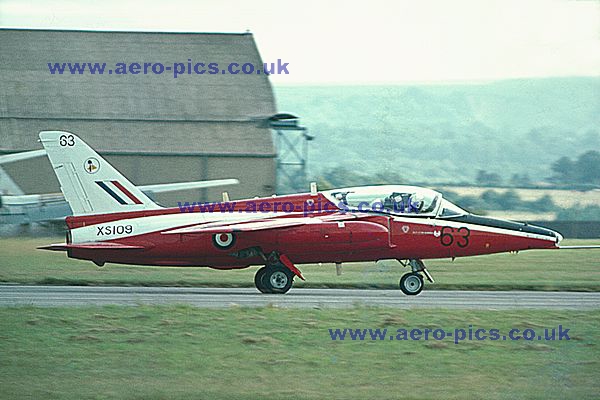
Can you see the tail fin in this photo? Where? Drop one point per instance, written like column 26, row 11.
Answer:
column 90, row 184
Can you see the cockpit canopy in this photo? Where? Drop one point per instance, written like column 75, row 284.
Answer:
column 410, row 201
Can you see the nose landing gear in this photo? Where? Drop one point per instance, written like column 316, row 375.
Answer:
column 411, row 283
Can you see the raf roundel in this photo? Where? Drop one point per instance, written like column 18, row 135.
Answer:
column 91, row 165
column 223, row 240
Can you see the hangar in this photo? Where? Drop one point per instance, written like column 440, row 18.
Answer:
column 153, row 127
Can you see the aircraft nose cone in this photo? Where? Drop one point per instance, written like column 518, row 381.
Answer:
column 510, row 225
column 545, row 232
column 558, row 237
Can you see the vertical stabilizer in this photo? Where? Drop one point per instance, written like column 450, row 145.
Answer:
column 89, row 183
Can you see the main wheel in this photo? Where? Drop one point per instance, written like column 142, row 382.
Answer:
column 259, row 278
column 411, row 284
column 278, row 280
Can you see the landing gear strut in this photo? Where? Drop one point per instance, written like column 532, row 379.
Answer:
column 412, row 283
column 277, row 276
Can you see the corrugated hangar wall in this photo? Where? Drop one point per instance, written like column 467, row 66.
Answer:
column 153, row 128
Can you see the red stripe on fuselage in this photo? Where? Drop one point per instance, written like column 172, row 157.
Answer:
column 126, row 192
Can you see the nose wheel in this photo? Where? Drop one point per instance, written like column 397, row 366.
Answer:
column 412, row 283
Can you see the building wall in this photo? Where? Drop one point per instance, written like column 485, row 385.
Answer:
column 31, row 91
column 154, row 129
column 251, row 137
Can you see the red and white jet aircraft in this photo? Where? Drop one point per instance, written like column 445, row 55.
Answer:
column 113, row 221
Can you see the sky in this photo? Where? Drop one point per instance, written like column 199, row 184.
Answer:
column 363, row 42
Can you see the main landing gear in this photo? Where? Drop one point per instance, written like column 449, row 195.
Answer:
column 412, row 283
column 277, row 276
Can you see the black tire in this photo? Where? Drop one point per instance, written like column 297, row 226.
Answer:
column 278, row 280
column 411, row 284
column 259, row 278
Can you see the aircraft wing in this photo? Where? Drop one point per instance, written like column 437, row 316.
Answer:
column 171, row 187
column 32, row 199
column 253, row 226
column 242, row 227
column 26, row 155
column 44, row 199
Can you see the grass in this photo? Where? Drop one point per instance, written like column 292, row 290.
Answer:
column 178, row 352
column 577, row 270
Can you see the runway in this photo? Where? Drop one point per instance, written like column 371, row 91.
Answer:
column 78, row 296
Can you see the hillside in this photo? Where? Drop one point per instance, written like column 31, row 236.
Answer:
column 445, row 133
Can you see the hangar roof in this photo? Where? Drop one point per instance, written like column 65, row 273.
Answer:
column 31, row 96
